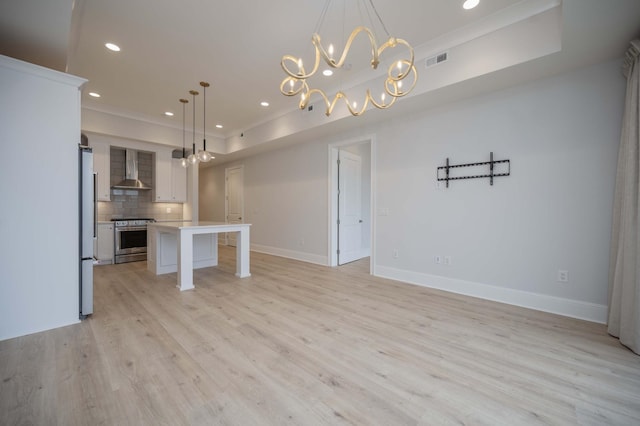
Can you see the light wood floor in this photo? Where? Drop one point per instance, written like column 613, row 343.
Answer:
column 303, row 344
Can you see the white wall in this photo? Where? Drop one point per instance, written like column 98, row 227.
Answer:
column 506, row 241
column 285, row 196
column 286, row 201
column 39, row 257
column 211, row 194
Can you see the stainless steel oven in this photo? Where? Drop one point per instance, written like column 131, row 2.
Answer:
column 130, row 240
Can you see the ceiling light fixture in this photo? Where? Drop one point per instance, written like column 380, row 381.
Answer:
column 168, row 114
column 112, row 47
column 264, row 103
column 183, row 161
column 94, row 94
column 193, row 157
column 219, row 126
column 204, row 155
column 470, row 4
column 296, row 81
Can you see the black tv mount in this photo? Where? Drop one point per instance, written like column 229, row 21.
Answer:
column 491, row 163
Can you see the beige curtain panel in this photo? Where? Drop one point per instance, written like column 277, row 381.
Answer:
column 624, row 273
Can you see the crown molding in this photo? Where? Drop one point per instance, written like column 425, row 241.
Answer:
column 40, row 71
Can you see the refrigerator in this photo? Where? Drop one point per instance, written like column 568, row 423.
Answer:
column 88, row 228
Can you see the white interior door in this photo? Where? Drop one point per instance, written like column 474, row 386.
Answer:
column 234, row 199
column 349, row 207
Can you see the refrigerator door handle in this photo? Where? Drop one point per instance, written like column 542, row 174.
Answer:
column 95, row 206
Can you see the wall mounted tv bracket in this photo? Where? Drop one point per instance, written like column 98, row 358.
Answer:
column 444, row 173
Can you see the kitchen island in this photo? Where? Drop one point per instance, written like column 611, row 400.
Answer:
column 184, row 246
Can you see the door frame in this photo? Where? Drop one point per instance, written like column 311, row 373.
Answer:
column 333, row 197
column 226, row 196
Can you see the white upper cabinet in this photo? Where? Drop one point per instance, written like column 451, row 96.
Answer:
column 179, row 181
column 162, row 187
column 102, row 168
column 170, row 179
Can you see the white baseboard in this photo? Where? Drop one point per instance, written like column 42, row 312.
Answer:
column 541, row 302
column 291, row 254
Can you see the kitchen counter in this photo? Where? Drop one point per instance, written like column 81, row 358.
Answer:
column 181, row 247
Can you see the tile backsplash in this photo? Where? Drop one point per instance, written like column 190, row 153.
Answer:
column 131, row 202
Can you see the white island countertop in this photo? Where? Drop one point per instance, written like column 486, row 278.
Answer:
column 181, row 224
column 171, row 248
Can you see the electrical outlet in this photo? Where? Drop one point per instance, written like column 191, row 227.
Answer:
column 168, row 209
column 447, row 260
column 396, row 254
column 563, row 276
column 437, row 259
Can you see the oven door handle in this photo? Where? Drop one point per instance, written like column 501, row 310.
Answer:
column 131, row 228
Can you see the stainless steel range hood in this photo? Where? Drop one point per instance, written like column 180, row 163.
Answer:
column 131, row 180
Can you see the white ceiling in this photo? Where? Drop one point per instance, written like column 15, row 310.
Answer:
column 169, row 46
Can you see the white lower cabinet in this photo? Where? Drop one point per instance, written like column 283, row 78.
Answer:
column 104, row 244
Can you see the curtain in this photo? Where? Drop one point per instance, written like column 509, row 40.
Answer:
column 624, row 269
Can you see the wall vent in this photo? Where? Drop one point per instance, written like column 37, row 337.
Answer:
column 177, row 153
column 437, row 59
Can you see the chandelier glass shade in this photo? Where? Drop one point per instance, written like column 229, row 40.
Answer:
column 400, row 79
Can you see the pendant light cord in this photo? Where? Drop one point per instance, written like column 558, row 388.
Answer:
column 184, row 114
column 184, row 108
column 194, row 93
column 204, row 115
column 379, row 18
column 322, row 16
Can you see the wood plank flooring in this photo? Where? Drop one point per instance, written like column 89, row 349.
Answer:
column 302, row 344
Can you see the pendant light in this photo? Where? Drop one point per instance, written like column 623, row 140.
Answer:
column 183, row 161
column 193, row 157
column 204, row 155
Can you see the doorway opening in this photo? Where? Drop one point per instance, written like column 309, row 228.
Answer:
column 351, row 201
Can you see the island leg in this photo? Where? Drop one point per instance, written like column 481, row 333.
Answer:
column 185, row 260
column 242, row 254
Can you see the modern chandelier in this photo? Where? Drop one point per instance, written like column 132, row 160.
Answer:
column 401, row 76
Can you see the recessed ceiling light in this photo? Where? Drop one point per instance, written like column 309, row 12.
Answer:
column 327, row 73
column 219, row 126
column 168, row 114
column 264, row 103
column 94, row 94
column 470, row 4
column 113, row 47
